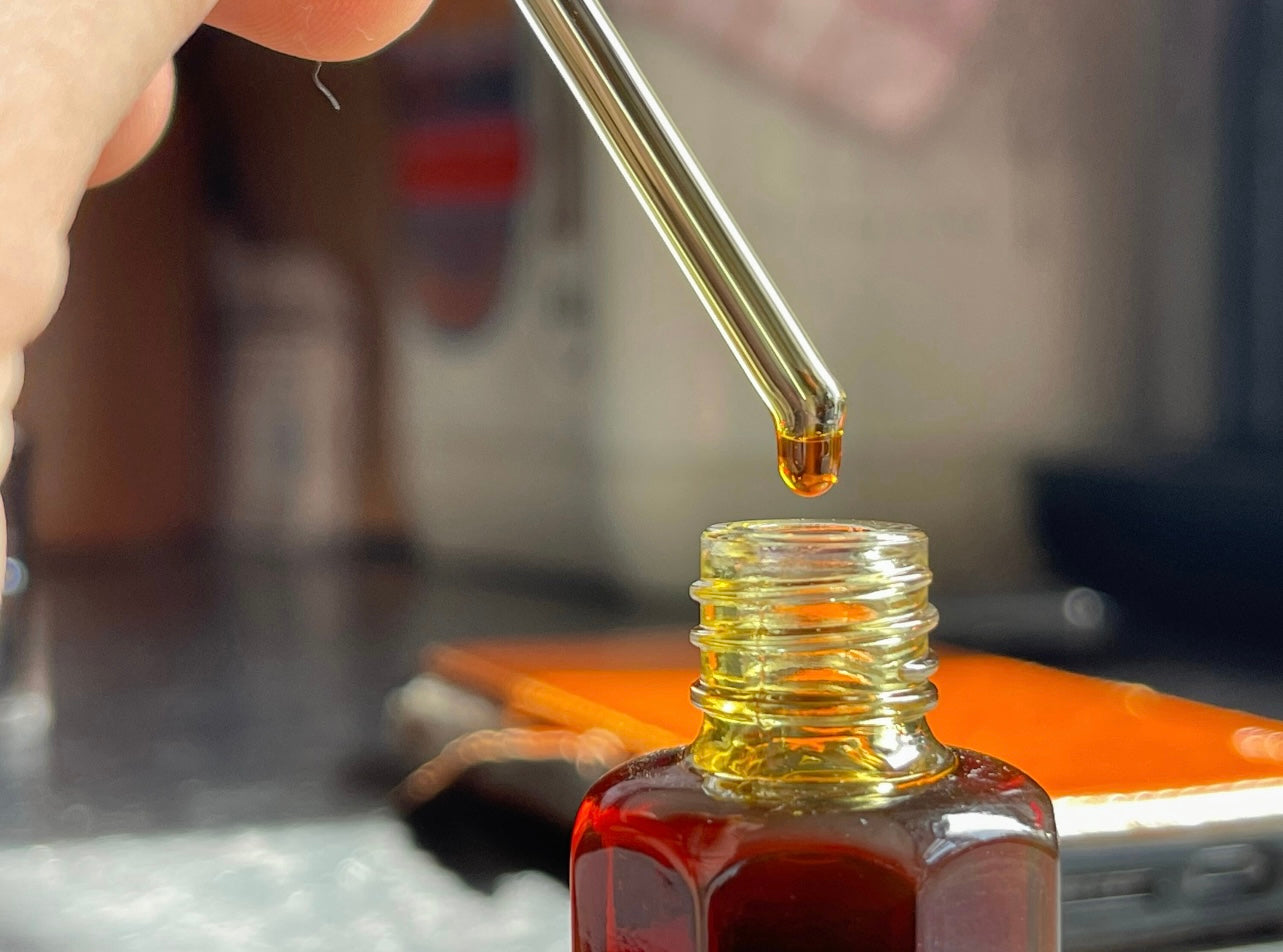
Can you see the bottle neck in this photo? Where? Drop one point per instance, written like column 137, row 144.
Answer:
column 815, row 661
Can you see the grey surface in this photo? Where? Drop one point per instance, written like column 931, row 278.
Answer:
column 215, row 775
column 194, row 693
column 223, row 718
column 327, row 886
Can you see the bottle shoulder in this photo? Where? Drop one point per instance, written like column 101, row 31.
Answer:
column 663, row 770
column 983, row 799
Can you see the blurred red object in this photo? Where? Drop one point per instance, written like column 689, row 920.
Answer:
column 470, row 159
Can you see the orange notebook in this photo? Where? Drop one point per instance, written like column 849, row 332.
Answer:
column 1170, row 812
column 1118, row 758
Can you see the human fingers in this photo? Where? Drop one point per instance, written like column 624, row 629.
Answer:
column 139, row 131
column 70, row 71
column 319, row 29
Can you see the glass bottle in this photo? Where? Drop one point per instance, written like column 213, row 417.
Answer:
column 815, row 811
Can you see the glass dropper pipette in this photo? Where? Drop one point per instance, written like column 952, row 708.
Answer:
column 804, row 398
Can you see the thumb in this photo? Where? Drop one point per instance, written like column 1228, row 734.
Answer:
column 69, row 72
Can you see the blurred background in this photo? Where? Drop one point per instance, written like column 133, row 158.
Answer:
column 327, row 386
column 436, row 316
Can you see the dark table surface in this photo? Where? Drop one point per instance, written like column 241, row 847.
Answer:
column 195, row 693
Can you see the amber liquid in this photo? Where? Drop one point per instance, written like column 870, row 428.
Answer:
column 967, row 864
column 809, row 465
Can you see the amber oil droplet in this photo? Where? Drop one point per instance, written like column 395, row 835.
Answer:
column 809, row 465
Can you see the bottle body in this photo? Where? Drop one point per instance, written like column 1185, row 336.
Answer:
column 965, row 864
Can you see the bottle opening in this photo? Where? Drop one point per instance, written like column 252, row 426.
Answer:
column 857, row 557
column 809, row 532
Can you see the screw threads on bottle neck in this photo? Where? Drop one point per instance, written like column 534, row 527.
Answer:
column 815, row 658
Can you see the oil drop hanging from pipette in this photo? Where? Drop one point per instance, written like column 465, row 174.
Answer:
column 805, row 400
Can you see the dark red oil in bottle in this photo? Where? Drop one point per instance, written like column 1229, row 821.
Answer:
column 965, row 864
